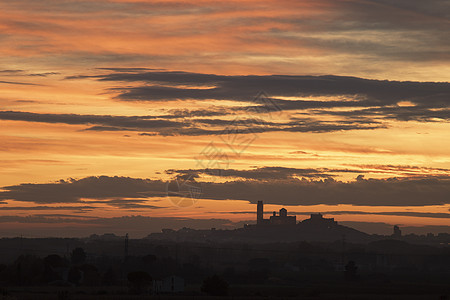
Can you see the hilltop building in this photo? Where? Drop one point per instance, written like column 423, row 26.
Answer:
column 281, row 219
column 278, row 227
column 318, row 220
column 397, row 232
column 260, row 213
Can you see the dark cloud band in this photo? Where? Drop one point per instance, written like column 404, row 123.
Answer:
column 279, row 189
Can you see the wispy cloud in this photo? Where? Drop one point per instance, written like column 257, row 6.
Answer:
column 165, row 125
column 16, row 83
column 359, row 212
column 323, row 36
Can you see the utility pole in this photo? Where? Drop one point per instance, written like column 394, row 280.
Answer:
column 343, row 250
column 126, row 247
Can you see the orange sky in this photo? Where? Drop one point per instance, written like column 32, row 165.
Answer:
column 93, row 88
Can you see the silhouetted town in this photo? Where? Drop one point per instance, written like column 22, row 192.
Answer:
column 281, row 227
column 277, row 257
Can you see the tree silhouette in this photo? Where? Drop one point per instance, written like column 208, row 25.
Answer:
column 149, row 259
column 109, row 278
column 28, row 269
column 351, row 271
column 74, row 275
column 215, row 286
column 91, row 276
column 4, row 273
column 54, row 261
column 49, row 274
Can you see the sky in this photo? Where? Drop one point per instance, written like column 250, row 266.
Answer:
column 132, row 116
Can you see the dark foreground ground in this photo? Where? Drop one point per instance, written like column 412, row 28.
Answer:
column 237, row 292
column 71, row 269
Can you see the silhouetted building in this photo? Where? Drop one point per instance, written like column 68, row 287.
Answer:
column 260, row 213
column 397, row 232
column 126, row 246
column 281, row 219
column 168, row 285
column 319, row 220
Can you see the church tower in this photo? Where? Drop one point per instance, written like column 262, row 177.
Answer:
column 260, row 213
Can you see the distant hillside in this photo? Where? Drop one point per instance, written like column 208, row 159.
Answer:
column 315, row 229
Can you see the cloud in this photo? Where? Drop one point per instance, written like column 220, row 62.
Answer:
column 11, row 72
column 245, row 88
column 388, row 14
column 359, row 99
column 323, row 37
column 45, row 74
column 358, row 212
column 130, row 204
column 124, row 69
column 130, row 191
column 274, row 186
column 165, row 126
column 421, row 113
column 394, row 213
column 16, row 72
column 284, row 173
column 102, row 122
column 16, row 83
column 44, row 207
column 387, row 30
column 263, row 173
column 406, row 170
column 363, row 104
column 371, row 192
column 292, row 186
column 74, row 119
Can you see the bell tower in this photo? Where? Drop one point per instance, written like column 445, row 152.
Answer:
column 260, row 213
